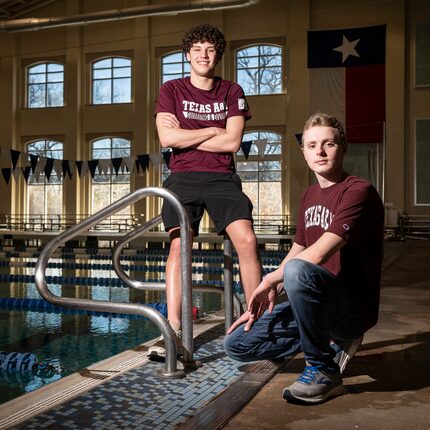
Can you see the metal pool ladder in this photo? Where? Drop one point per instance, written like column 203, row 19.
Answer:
column 170, row 369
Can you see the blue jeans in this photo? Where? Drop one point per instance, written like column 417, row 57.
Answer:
column 320, row 307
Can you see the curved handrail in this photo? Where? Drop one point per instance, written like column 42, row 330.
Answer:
column 171, row 370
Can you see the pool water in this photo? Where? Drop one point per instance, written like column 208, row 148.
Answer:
column 66, row 342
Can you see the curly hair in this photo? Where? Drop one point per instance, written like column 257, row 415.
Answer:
column 204, row 33
column 324, row 120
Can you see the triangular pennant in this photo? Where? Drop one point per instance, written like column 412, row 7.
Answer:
column 155, row 159
column 143, row 161
column 15, row 173
column 129, row 162
column 116, row 163
column 33, row 160
column 92, row 165
column 65, row 165
column 48, row 168
column 26, row 172
column 298, row 137
column 58, row 168
column 6, row 174
column 40, row 167
column 167, row 155
column 84, row 169
column 14, row 156
column 104, row 166
column 79, row 167
column 261, row 146
column 246, row 147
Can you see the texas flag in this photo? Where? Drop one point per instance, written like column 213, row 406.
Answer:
column 348, row 79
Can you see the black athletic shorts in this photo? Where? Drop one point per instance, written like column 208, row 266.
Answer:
column 219, row 193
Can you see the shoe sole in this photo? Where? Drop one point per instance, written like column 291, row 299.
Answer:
column 287, row 395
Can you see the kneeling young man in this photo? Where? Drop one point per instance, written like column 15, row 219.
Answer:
column 331, row 274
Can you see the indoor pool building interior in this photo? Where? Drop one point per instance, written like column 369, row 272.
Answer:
column 83, row 248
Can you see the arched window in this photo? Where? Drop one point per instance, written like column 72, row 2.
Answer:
column 111, row 81
column 45, row 85
column 174, row 66
column 45, row 195
column 108, row 187
column 261, row 173
column 259, row 69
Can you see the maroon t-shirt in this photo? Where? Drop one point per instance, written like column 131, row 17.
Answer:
column 196, row 109
column 353, row 210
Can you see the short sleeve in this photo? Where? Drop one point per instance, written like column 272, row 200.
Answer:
column 237, row 103
column 166, row 99
column 353, row 214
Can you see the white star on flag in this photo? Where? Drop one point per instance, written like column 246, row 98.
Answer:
column 347, row 48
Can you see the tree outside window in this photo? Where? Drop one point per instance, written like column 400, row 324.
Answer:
column 108, row 188
column 111, row 79
column 43, row 196
column 45, row 85
column 261, row 173
column 259, row 69
column 174, row 66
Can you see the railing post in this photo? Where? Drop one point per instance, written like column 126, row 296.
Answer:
column 228, row 282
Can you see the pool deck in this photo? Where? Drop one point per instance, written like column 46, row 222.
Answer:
column 387, row 385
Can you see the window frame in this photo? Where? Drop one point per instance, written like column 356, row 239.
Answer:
column 416, row 157
column 280, row 42
column 37, row 62
column 93, row 58
column 45, row 183
column 91, row 141
column 185, row 61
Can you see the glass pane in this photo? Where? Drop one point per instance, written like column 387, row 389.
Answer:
column 271, row 81
column 101, row 143
column 100, row 196
column 39, row 68
column 251, row 190
column 118, row 142
column 53, row 67
column 101, row 179
column 123, row 178
column 121, row 62
column 172, row 68
column 36, row 96
column 36, row 147
column 361, row 159
column 120, row 152
column 36, row 199
column 101, row 154
column 247, row 62
column 55, row 94
column 102, row 74
column 270, row 50
column 270, row 176
column 247, row 166
column 247, row 52
column 122, row 90
column 106, row 63
column 269, row 165
column 169, row 77
column 248, row 80
column 270, row 198
column 55, row 77
column 176, row 57
column 122, row 72
column 102, row 93
column 54, row 197
column 36, row 78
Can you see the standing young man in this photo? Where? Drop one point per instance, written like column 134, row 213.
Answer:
column 202, row 118
column 331, row 274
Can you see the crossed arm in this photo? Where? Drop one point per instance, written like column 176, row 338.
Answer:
column 210, row 139
column 264, row 297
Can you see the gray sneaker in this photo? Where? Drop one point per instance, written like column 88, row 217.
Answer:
column 314, row 386
column 158, row 350
column 345, row 350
